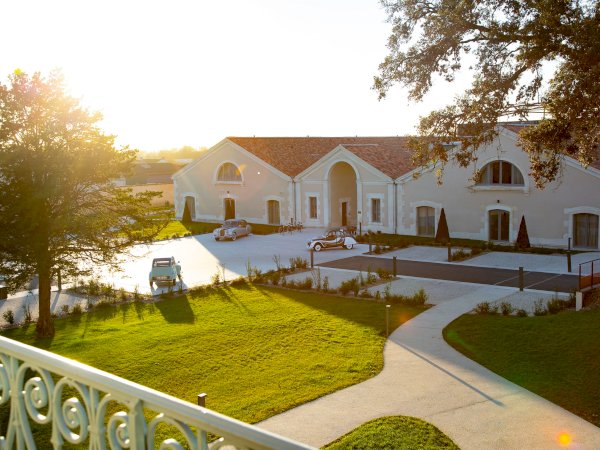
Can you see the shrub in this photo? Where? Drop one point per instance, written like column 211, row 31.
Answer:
column 538, row 308
column 306, row 284
column 326, row 284
column 482, row 308
column 94, row 287
column 365, row 294
column 277, row 261
column 239, row 281
column 521, row 313
column 460, row 255
column 420, row 297
column 349, row 285
column 298, row 263
column 384, row 274
column 122, row 295
column 102, row 304
column 506, row 308
column 215, row 279
column 77, row 310
column 136, row 294
column 275, row 278
column 9, row 316
column 65, row 309
column 556, row 305
column 89, row 305
column 442, row 234
column 377, row 249
column 377, row 295
column 27, row 313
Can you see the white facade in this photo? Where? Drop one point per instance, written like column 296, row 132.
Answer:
column 340, row 188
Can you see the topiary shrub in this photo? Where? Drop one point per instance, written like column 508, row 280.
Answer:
column 522, row 237
column 442, row 235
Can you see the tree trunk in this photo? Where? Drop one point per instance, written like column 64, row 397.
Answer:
column 45, row 326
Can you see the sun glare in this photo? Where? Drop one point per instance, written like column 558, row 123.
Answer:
column 564, row 438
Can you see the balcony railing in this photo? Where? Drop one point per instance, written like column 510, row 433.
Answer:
column 86, row 406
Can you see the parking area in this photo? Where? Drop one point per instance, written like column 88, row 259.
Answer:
column 201, row 257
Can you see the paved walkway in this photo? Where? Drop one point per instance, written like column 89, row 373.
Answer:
column 426, row 378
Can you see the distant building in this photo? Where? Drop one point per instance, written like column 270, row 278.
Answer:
column 370, row 183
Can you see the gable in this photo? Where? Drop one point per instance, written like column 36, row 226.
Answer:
column 293, row 155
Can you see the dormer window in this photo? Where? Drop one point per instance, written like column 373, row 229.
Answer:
column 228, row 173
column 500, row 173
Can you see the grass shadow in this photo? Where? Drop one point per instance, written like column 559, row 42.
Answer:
column 368, row 313
column 175, row 310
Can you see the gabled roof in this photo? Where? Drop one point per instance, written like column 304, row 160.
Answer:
column 516, row 128
column 292, row 155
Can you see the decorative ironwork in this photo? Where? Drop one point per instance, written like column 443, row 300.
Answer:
column 83, row 405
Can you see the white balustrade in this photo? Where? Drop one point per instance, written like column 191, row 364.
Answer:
column 73, row 399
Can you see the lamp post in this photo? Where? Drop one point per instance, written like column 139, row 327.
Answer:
column 387, row 320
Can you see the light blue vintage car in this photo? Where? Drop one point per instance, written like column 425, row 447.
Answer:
column 165, row 270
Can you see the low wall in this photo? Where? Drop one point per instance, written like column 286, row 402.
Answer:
column 166, row 191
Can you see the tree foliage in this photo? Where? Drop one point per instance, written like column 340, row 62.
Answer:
column 59, row 210
column 509, row 44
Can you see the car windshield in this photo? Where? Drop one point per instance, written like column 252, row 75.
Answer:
column 161, row 262
column 230, row 224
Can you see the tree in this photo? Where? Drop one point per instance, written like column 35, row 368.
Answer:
column 442, row 234
column 59, row 210
column 523, row 236
column 508, row 44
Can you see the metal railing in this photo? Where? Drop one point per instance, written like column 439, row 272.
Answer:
column 589, row 275
column 77, row 402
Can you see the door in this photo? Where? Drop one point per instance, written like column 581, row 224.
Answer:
column 229, row 204
column 499, row 225
column 273, row 212
column 585, row 230
column 344, row 214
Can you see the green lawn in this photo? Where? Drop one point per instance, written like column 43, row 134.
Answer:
column 393, row 433
column 256, row 351
column 554, row 356
column 176, row 228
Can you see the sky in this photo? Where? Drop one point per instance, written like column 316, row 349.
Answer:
column 184, row 72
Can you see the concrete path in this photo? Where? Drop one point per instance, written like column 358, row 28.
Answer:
column 424, row 377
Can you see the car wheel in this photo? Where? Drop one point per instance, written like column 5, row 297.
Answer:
column 317, row 247
column 233, row 236
column 348, row 246
column 151, row 285
column 217, row 239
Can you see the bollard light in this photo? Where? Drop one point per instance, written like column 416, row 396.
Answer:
column 387, row 320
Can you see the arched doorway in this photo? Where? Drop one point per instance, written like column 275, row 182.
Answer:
column 189, row 209
column 499, row 221
column 342, row 195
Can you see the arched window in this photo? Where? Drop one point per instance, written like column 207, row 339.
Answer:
column 585, row 230
column 500, row 173
column 425, row 221
column 229, row 172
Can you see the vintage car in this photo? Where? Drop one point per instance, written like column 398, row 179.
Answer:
column 232, row 229
column 165, row 270
column 336, row 237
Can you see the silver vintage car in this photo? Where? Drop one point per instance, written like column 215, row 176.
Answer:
column 232, row 229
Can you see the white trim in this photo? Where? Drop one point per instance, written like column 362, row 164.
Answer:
column 179, row 201
column 370, row 198
column 486, row 221
column 571, row 212
column 221, row 164
column 309, row 220
column 342, row 154
column 437, row 207
column 266, row 200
